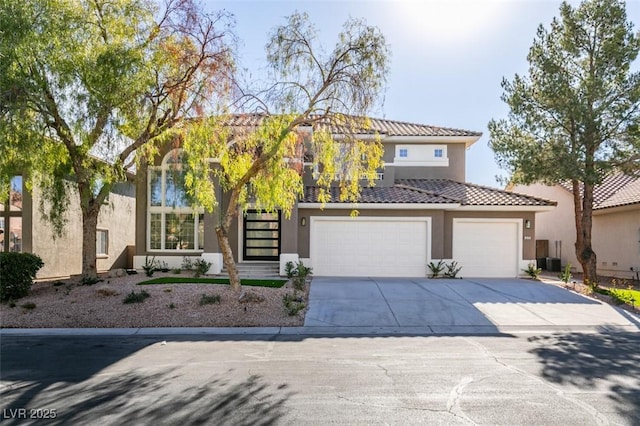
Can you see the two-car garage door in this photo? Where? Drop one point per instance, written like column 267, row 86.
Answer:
column 400, row 246
column 370, row 246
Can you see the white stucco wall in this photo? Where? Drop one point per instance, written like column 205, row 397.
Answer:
column 558, row 225
column 616, row 232
column 616, row 241
column 62, row 255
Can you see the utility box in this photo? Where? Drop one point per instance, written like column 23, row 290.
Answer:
column 542, row 263
column 553, row 264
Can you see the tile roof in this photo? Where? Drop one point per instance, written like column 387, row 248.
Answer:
column 436, row 191
column 377, row 125
column 617, row 189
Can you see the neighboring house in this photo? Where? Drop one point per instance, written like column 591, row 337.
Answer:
column 24, row 229
column 420, row 210
column 616, row 224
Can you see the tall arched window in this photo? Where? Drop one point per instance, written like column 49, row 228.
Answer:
column 172, row 223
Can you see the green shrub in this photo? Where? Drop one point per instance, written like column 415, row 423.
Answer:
column 565, row 276
column 532, row 271
column 209, row 300
column 187, row 264
column 436, row 268
column 298, row 273
column 134, row 297
column 17, row 271
column 200, row 267
column 452, row 270
column 150, row 266
column 292, row 304
column 89, row 280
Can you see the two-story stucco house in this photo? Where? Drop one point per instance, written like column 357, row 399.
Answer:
column 420, row 210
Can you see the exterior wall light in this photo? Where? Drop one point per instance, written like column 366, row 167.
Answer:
column 527, row 224
column 303, row 221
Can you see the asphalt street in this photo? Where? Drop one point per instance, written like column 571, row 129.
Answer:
column 521, row 379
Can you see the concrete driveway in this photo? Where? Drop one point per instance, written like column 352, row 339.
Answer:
column 424, row 305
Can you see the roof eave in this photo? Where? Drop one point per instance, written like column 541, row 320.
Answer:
column 379, row 206
column 495, row 208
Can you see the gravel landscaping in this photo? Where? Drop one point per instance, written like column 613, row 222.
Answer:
column 67, row 304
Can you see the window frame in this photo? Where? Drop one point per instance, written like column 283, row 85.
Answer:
column 105, row 254
column 163, row 210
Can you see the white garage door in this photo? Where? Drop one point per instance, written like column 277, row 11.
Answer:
column 486, row 248
column 365, row 246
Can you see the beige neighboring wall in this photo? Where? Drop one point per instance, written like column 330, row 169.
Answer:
column 616, row 240
column 62, row 256
column 558, row 225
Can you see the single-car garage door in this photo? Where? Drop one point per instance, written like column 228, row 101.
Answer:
column 487, row 248
column 368, row 246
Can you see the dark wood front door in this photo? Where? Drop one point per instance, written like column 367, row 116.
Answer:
column 261, row 235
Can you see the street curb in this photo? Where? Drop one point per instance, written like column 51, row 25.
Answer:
column 320, row 331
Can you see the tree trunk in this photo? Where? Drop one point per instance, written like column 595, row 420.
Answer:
column 227, row 258
column 89, row 228
column 583, row 207
column 222, row 232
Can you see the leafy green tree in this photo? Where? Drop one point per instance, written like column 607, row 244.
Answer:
column 576, row 116
column 88, row 85
column 262, row 165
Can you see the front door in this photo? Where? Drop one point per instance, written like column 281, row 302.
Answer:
column 261, row 235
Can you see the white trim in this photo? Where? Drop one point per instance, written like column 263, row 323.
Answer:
column 437, row 163
column 379, row 206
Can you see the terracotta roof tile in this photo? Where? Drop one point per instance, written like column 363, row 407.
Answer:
column 617, row 189
column 377, row 125
column 436, row 191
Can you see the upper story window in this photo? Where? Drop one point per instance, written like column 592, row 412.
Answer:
column 421, row 155
column 172, row 223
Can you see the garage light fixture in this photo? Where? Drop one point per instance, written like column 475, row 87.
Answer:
column 527, row 224
column 303, row 221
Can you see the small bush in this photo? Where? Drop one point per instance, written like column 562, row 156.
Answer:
column 292, row 304
column 17, row 271
column 171, row 306
column 89, row 280
column 298, row 273
column 134, row 297
column 176, row 271
column 452, row 270
column 565, row 276
column 200, row 267
column 209, row 300
column 150, row 266
column 58, row 283
column 168, row 290
column 436, row 268
column 187, row 264
column 532, row 271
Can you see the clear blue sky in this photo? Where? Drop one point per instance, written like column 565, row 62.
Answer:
column 448, row 56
